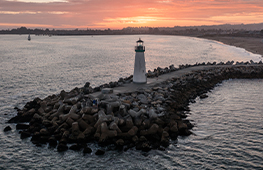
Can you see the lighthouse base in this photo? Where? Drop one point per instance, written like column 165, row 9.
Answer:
column 139, row 82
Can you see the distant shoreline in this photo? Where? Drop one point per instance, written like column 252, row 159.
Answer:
column 251, row 44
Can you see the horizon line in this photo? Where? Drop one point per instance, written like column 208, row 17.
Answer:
column 76, row 28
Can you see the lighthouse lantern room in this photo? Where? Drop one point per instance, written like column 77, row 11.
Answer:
column 139, row 75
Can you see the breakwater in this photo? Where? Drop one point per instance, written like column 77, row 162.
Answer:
column 144, row 118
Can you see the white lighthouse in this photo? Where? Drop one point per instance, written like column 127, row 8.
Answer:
column 139, row 74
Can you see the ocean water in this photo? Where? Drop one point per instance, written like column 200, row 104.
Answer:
column 228, row 124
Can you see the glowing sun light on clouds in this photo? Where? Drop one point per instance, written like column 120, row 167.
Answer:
column 138, row 20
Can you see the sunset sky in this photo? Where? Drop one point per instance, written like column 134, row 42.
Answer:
column 117, row 14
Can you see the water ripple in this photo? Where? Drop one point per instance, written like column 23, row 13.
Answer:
column 228, row 124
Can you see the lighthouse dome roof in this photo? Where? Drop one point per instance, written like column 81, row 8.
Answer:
column 139, row 40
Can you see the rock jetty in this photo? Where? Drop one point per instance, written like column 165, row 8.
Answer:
column 145, row 118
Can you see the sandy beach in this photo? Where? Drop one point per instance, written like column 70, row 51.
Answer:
column 251, row 44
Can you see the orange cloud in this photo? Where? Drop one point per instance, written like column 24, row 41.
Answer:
column 118, row 14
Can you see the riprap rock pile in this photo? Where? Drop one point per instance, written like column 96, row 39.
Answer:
column 145, row 119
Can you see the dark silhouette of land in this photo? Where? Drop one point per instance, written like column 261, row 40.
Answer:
column 255, row 30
